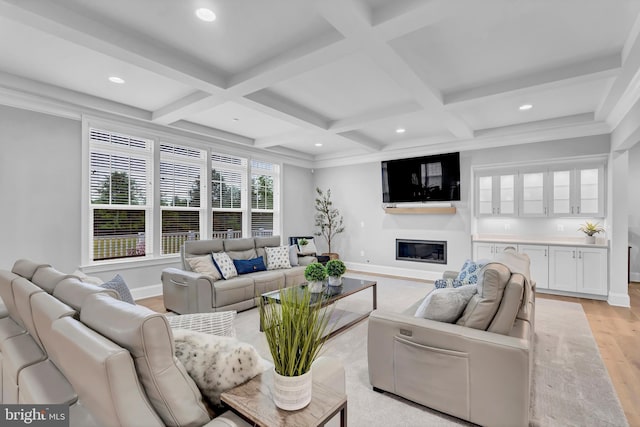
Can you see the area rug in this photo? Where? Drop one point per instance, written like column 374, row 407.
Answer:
column 571, row 386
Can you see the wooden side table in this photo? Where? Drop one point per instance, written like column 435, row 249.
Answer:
column 253, row 402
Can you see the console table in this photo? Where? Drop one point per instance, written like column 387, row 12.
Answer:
column 253, row 402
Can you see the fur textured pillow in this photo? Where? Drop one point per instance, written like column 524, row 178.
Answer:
column 216, row 363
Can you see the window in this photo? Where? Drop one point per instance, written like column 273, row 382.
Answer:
column 228, row 183
column 264, row 190
column 181, row 169
column 147, row 196
column 120, row 168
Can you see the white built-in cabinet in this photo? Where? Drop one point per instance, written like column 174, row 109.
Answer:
column 482, row 250
column 540, row 191
column 567, row 269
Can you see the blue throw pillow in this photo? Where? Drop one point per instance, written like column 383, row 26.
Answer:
column 118, row 284
column 447, row 283
column 244, row 266
column 469, row 272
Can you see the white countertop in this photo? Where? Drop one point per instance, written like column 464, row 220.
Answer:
column 543, row 240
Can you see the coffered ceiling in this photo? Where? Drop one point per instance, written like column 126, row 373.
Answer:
column 322, row 80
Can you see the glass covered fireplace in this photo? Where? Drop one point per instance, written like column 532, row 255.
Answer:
column 432, row 251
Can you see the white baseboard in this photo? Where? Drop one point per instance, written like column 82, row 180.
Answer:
column 635, row 277
column 394, row 271
column 619, row 300
column 146, row 291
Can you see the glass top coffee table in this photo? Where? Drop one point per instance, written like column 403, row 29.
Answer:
column 332, row 294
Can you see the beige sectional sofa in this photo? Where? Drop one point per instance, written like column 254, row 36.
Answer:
column 482, row 376
column 63, row 341
column 186, row 291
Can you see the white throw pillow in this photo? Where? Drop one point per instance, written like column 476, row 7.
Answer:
column 205, row 266
column 293, row 255
column 215, row 363
column 446, row 304
column 309, row 248
column 225, row 265
column 277, row 257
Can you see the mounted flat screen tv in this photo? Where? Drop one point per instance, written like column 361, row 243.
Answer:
column 421, row 179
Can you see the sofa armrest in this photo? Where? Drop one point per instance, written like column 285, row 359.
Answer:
column 187, row 292
column 428, row 361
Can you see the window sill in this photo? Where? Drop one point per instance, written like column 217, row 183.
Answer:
column 125, row 264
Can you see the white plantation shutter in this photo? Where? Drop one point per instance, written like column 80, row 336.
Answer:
column 119, row 168
column 181, row 171
column 264, row 192
column 228, row 181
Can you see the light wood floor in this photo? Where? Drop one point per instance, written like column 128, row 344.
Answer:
column 616, row 331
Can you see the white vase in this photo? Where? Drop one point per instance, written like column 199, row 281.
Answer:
column 335, row 280
column 315, row 287
column 291, row 393
column 590, row 239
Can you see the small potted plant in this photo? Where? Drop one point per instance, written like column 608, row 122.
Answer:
column 315, row 273
column 335, row 270
column 302, row 244
column 590, row 229
column 295, row 333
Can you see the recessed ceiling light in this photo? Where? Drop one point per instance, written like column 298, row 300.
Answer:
column 116, row 79
column 400, row 130
column 318, row 144
column 206, row 15
column 525, row 107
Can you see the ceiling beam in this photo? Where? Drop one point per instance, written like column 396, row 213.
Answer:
column 187, row 106
column 593, row 69
column 628, row 74
column 211, row 132
column 115, row 41
column 362, row 139
column 353, row 19
column 383, row 113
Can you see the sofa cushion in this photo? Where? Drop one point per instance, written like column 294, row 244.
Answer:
column 147, row 336
column 26, row 268
column 205, row 266
column 120, row 286
column 73, row 292
column 483, row 306
column 502, row 322
column 245, row 266
column 239, row 244
column 216, row 363
column 48, row 277
column 446, row 304
column 278, row 258
column 6, row 293
column 243, row 254
column 469, row 272
column 225, row 265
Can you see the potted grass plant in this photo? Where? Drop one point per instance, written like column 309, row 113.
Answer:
column 315, row 273
column 591, row 229
column 335, row 270
column 295, row 332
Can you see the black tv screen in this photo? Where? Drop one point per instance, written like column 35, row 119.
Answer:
column 421, row 179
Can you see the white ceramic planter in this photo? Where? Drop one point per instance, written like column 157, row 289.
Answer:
column 315, row 287
column 590, row 239
column 291, row 393
column 335, row 280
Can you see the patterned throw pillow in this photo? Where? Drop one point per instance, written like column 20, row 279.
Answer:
column 277, row 257
column 447, row 283
column 204, row 265
column 469, row 272
column 224, row 264
column 118, row 284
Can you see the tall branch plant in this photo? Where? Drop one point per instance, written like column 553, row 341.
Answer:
column 328, row 218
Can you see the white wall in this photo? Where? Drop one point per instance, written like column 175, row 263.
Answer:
column 298, row 194
column 634, row 211
column 41, row 184
column 39, row 188
column 357, row 193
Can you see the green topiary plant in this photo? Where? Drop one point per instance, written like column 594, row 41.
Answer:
column 336, row 268
column 315, row 272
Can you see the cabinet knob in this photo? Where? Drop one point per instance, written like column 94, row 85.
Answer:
column 578, row 209
column 574, row 254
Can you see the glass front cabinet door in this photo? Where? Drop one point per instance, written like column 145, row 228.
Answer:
column 533, row 193
column 496, row 194
column 577, row 192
